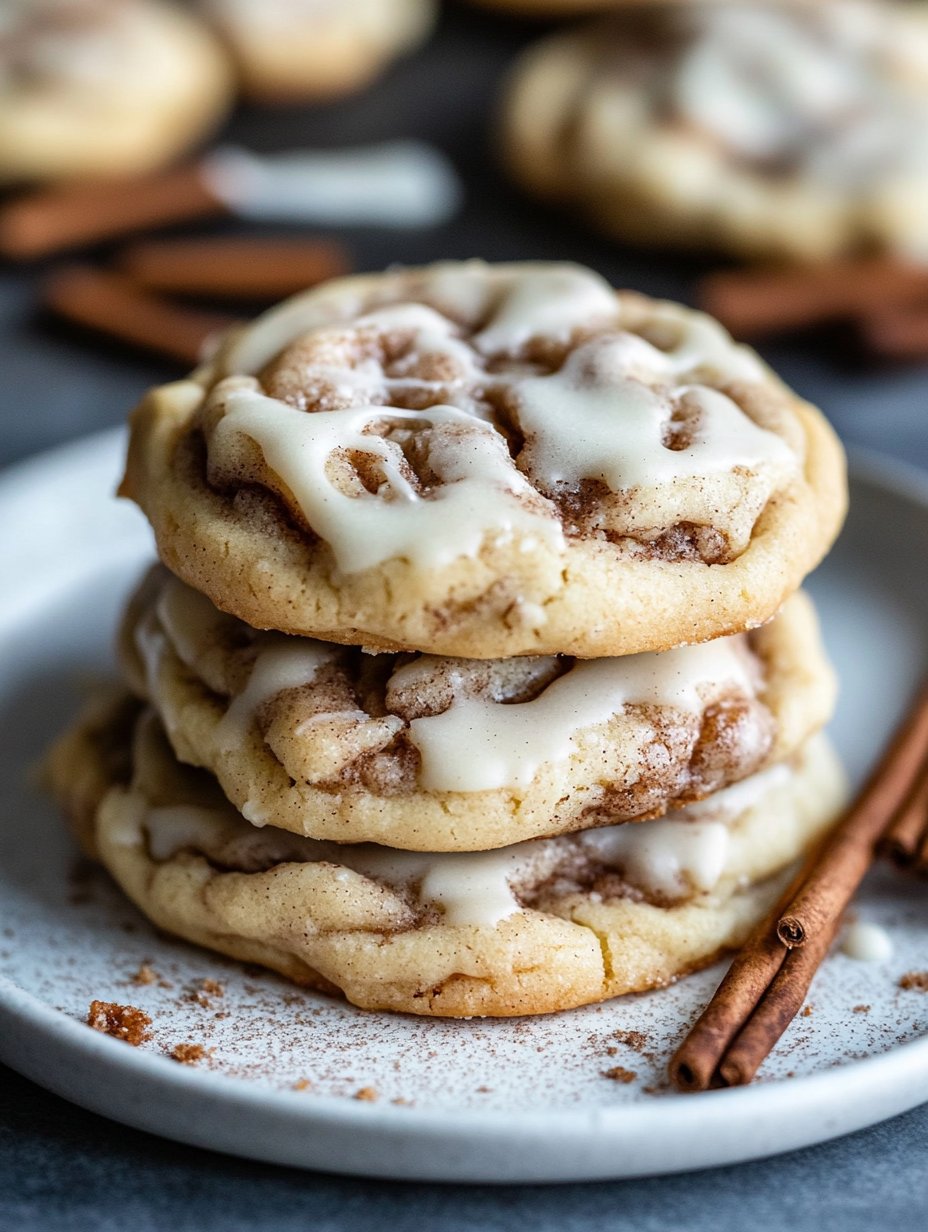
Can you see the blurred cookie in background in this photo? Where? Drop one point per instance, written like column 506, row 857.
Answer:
column 560, row 8
column 104, row 87
column 294, row 50
column 760, row 129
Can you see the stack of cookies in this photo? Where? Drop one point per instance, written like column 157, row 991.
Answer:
column 475, row 678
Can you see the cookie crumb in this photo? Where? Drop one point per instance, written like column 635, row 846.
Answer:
column 146, row 974
column 401, row 1103
column 302, row 1084
column 125, row 1022
column 619, row 1073
column 367, row 1095
column 484, row 1090
column 807, row 1012
column 213, row 988
column 914, row 981
column 861, row 1009
column 188, row 1054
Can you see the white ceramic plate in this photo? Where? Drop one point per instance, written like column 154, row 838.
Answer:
column 523, row 1100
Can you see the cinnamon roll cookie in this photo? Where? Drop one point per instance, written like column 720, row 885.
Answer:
column 486, row 461
column 440, row 754
column 294, row 50
column 764, row 129
column 104, row 87
column 536, row 927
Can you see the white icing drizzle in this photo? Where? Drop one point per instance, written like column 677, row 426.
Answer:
column 665, row 856
column 823, row 89
column 479, row 744
column 477, row 499
column 737, row 798
column 124, row 56
column 782, row 79
column 365, row 383
column 592, row 421
column 547, row 301
column 601, row 416
column 189, row 619
column 866, row 942
column 470, row 887
column 396, row 184
column 150, row 643
column 172, row 827
column 701, row 343
column 279, row 666
column 475, row 292
column 57, row 44
column 279, row 16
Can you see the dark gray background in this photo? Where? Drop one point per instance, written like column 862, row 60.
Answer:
column 63, row 1168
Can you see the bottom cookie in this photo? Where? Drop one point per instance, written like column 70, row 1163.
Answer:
column 540, row 926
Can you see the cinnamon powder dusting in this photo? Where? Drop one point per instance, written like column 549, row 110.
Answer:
column 636, row 1040
column 124, row 1022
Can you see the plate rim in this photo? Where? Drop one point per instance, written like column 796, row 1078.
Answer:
column 29, row 1010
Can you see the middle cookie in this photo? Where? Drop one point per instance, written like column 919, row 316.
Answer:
column 442, row 754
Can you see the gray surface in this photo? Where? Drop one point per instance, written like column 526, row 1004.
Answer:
column 62, row 1168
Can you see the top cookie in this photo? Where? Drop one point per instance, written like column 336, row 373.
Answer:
column 486, row 461
column 786, row 130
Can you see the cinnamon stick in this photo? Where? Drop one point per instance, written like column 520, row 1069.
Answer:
column 752, row 303
column 896, row 331
column 54, row 219
column 754, row 967
column 907, row 835
column 777, row 1007
column 849, row 850
column 770, row 976
column 114, row 306
column 234, row 267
